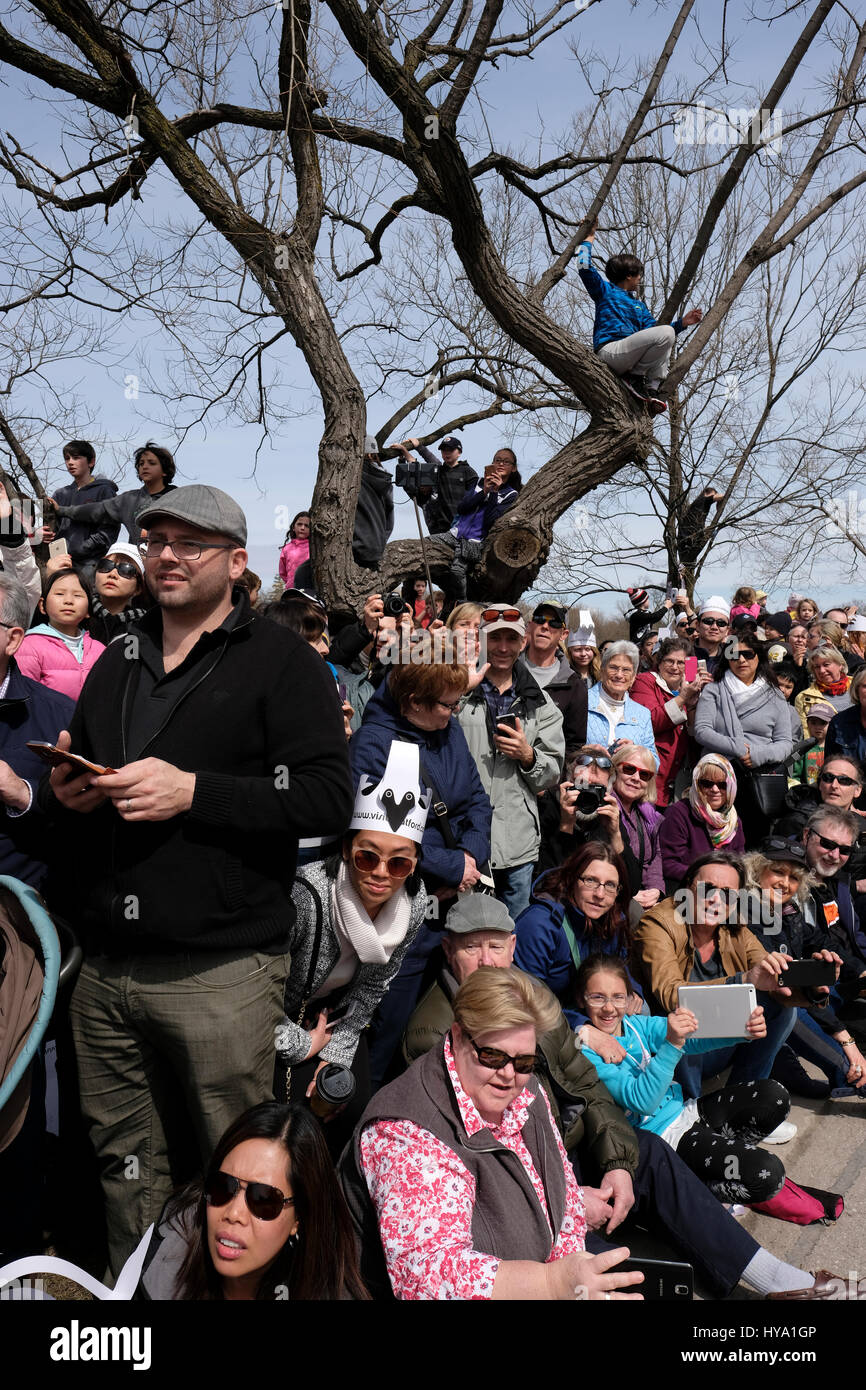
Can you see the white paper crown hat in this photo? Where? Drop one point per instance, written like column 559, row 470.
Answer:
column 397, row 804
column 585, row 634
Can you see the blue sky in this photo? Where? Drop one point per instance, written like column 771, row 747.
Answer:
column 521, row 100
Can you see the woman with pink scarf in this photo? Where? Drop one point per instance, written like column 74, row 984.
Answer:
column 705, row 819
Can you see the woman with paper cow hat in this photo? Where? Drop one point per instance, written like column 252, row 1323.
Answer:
column 356, row 915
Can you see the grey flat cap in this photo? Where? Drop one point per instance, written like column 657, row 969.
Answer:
column 478, row 912
column 202, row 506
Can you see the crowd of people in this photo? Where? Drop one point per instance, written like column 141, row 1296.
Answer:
column 384, row 927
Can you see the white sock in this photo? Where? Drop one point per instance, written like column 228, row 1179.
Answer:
column 766, row 1274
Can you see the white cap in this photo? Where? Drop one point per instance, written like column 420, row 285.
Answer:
column 715, row 604
column 584, row 636
column 397, row 804
column 129, row 552
column 857, row 623
column 370, row 445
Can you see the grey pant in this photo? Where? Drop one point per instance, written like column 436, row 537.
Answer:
column 647, row 353
column 170, row 1051
column 466, row 553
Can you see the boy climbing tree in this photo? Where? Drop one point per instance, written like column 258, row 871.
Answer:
column 625, row 335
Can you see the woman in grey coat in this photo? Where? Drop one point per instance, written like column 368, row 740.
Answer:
column 744, row 716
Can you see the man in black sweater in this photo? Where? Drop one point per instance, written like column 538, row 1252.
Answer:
column 227, row 737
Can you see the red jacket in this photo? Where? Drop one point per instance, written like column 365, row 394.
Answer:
column 672, row 739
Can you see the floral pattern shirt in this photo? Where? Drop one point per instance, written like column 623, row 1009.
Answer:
column 424, row 1198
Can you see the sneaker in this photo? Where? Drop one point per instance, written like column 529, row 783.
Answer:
column 657, row 406
column 782, row 1134
column 639, row 392
column 788, row 1069
column 848, row 1093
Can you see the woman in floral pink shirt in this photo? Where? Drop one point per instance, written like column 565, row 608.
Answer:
column 473, row 1193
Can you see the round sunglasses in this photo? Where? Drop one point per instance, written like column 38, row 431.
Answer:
column 263, row 1201
column 398, row 866
column 127, row 569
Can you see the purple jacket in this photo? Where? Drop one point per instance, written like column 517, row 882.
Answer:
column 683, row 839
column 646, row 848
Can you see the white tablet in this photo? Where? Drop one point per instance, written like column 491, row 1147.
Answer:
column 722, row 1011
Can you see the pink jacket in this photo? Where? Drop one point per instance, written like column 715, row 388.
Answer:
column 292, row 556
column 49, row 661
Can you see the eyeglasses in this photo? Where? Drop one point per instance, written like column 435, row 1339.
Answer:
column 495, row 615
column 713, row 622
column 452, row 708
column 588, row 759
column 631, row 771
column 11, row 626
column 595, row 885
column 555, row 623
column 830, row 845
column 838, row 777
column 127, row 569
column 263, row 1201
column 598, row 1001
column 493, row 1058
column 398, row 866
column 706, row 784
column 153, row 547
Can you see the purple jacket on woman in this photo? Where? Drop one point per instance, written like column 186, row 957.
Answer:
column 683, row 838
column 646, row 849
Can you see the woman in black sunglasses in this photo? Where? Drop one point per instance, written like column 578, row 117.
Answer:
column 119, row 593
column 268, row 1221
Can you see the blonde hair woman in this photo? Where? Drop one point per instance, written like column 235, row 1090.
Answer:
column 501, row 1230
column 830, row 683
column 634, row 786
column 705, row 819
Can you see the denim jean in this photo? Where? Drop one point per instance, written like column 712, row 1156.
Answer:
column 809, row 1041
column 513, row 887
column 749, row 1061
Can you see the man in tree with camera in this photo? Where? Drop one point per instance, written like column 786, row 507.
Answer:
column 449, row 483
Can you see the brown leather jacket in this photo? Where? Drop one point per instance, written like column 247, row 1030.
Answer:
column 663, row 955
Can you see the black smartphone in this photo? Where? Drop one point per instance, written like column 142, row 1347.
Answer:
column 509, row 719
column 662, row 1279
column 806, row 974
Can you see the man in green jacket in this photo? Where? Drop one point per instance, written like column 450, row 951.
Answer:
column 639, row 1174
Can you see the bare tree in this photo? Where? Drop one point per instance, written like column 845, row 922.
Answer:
column 379, row 118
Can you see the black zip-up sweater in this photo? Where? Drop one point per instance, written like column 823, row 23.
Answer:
column 260, row 726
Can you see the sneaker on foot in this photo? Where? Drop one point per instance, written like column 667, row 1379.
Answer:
column 657, row 406
column 848, row 1093
column 781, row 1134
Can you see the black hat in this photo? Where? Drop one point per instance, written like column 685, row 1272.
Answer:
column 744, row 620
column 451, row 442
column 784, row 851
column 780, row 621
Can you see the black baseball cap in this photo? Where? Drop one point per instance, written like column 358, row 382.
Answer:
column 451, row 442
column 784, row 851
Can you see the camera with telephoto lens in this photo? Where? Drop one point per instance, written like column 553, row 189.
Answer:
column 413, row 474
column 588, row 801
column 394, row 605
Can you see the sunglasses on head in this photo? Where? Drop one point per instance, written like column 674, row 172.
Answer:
column 398, row 866
column 587, row 760
column 495, row 1059
column 495, row 615
column 631, row 770
column 125, row 568
column 830, row 845
column 263, row 1201
column 838, row 777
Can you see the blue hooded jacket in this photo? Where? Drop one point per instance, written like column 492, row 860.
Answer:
column 618, row 314
column 543, row 949
column 448, row 762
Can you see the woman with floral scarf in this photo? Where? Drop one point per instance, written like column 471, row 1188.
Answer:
column 704, row 820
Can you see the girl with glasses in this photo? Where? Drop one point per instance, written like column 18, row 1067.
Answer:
column 715, row 1135
column 266, row 1223
column 705, row 819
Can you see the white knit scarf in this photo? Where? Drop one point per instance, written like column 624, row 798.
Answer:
column 739, row 691
column 374, row 942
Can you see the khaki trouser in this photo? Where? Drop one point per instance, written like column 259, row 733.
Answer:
column 170, row 1051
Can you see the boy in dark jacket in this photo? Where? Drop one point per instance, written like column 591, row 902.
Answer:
column 90, row 537
column 374, row 512
column 625, row 334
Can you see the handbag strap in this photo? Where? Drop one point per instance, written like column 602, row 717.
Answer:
column 438, row 807
column 319, row 913
column 570, row 937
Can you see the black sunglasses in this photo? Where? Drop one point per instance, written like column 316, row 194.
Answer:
column 838, row 777
column 587, row 760
column 713, row 622
column 495, row 1059
column 830, row 845
column 125, row 568
column 539, row 617
column 263, row 1201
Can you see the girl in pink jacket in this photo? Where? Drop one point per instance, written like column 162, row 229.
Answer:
column 296, row 549
column 59, row 653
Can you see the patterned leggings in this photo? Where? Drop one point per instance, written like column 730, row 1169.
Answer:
column 721, row 1147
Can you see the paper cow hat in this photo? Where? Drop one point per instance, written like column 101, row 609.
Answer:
column 397, row 804
column 584, row 636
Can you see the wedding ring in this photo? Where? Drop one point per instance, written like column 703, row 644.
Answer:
column 127, row 804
